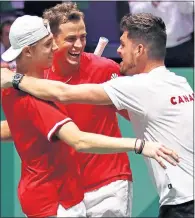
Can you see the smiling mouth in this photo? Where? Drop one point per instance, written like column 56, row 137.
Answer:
column 74, row 54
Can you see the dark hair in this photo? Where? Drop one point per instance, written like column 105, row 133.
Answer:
column 147, row 29
column 5, row 23
column 62, row 13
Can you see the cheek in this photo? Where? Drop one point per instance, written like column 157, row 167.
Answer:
column 84, row 44
column 64, row 48
column 126, row 56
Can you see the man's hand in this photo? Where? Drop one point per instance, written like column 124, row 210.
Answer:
column 157, row 151
column 6, row 78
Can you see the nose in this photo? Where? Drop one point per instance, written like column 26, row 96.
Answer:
column 78, row 43
column 54, row 46
column 119, row 50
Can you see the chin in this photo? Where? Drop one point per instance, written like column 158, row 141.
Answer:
column 74, row 63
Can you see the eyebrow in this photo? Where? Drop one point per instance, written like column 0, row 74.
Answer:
column 72, row 35
column 48, row 40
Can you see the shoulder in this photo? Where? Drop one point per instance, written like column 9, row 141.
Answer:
column 99, row 68
column 136, row 80
column 17, row 101
column 140, row 78
column 11, row 93
column 99, row 62
column 18, row 98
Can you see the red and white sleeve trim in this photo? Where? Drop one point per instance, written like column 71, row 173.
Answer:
column 57, row 125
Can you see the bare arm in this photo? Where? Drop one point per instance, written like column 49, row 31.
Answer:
column 96, row 143
column 5, row 131
column 59, row 91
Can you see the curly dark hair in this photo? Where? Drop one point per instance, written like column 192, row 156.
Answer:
column 62, row 13
column 147, row 29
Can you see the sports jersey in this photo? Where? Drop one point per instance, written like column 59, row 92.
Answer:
column 49, row 170
column 97, row 170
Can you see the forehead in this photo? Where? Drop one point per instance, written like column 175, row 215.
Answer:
column 46, row 39
column 72, row 27
column 124, row 36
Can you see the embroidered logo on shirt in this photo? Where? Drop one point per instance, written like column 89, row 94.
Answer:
column 114, row 75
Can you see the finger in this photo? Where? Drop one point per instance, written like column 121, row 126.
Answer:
column 170, row 152
column 166, row 157
column 160, row 161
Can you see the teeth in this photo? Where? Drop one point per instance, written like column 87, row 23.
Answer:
column 75, row 53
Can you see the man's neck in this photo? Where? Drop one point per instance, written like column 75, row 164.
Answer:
column 151, row 65
column 29, row 70
column 63, row 69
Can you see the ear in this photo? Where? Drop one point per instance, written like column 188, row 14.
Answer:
column 27, row 51
column 139, row 50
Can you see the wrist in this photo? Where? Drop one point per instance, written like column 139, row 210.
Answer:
column 139, row 146
column 16, row 79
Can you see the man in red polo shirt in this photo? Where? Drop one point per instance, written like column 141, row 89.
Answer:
column 50, row 183
column 107, row 178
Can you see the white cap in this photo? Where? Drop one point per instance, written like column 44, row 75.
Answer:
column 25, row 31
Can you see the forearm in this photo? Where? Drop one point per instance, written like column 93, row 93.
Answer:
column 43, row 88
column 5, row 132
column 64, row 93
column 99, row 144
column 95, row 143
column 57, row 91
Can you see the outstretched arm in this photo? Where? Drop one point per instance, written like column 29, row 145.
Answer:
column 57, row 91
column 5, row 131
column 96, row 143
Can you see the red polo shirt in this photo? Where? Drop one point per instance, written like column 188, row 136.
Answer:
column 50, row 172
column 98, row 170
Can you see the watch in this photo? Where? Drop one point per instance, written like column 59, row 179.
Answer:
column 16, row 80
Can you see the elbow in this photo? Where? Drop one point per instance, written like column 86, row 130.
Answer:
column 81, row 146
column 79, row 141
column 61, row 96
column 60, row 93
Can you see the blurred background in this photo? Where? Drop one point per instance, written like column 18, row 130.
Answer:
column 102, row 18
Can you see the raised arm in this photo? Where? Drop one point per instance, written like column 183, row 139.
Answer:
column 96, row 143
column 57, row 91
column 5, row 131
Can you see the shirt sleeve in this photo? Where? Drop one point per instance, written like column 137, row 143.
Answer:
column 45, row 116
column 126, row 93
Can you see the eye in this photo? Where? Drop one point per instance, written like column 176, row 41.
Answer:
column 48, row 44
column 122, row 45
column 70, row 39
column 83, row 37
